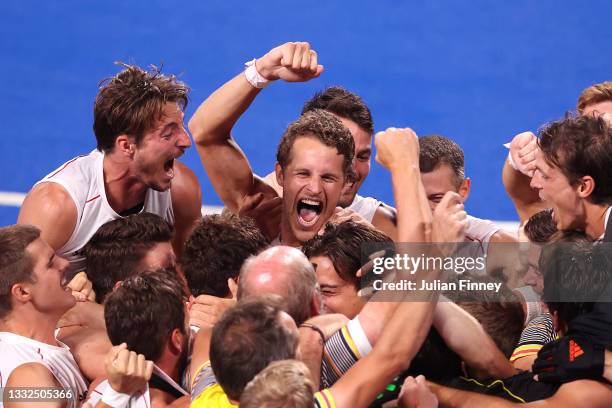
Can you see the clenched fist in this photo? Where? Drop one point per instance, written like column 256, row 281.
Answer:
column 291, row 62
column 395, row 147
column 523, row 149
column 128, row 372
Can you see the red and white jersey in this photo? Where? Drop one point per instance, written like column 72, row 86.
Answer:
column 83, row 178
column 138, row 400
column 16, row 350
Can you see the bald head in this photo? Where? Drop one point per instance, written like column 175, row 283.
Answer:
column 286, row 272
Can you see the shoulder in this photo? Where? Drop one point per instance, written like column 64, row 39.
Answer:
column 32, row 374
column 185, row 187
column 51, row 208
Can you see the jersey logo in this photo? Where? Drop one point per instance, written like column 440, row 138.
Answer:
column 575, row 350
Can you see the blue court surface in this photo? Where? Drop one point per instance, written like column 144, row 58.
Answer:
column 477, row 71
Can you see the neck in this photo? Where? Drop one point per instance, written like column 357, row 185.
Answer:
column 170, row 365
column 123, row 189
column 595, row 219
column 32, row 325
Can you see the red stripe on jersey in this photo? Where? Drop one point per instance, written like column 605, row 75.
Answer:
column 64, row 166
column 93, row 198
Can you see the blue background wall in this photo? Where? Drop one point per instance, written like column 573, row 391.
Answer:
column 477, row 71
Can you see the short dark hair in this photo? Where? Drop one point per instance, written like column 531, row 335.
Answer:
column 540, row 227
column 581, row 146
column 132, row 102
column 345, row 245
column 247, row 338
column 216, row 250
column 144, row 310
column 117, row 248
column 436, row 150
column 16, row 265
column 343, row 103
column 324, row 127
column 575, row 275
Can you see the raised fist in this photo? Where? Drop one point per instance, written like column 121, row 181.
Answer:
column 523, row 149
column 395, row 147
column 291, row 62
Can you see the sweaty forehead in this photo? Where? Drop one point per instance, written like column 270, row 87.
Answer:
column 310, row 152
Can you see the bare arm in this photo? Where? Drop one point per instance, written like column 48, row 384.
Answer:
column 465, row 336
column 49, row 207
column 211, row 125
column 583, row 393
column 385, row 220
column 186, row 204
column 32, row 375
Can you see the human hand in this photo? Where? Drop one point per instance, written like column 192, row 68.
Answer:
column 396, row 147
column 127, row 372
column 291, row 62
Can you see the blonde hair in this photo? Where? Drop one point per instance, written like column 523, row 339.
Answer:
column 594, row 94
column 282, row 384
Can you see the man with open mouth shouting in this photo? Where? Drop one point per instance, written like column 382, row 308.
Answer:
column 138, row 123
column 314, row 157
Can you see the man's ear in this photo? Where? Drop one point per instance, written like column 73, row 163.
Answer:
column 176, row 341
column 464, row 188
column 279, row 174
column 586, row 185
column 125, row 144
column 21, row 292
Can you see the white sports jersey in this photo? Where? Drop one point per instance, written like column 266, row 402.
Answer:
column 365, row 206
column 83, row 178
column 16, row 350
column 138, row 400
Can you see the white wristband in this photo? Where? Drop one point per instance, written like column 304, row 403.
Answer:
column 254, row 77
column 510, row 159
column 115, row 399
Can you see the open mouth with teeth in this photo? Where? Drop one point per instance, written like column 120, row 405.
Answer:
column 308, row 211
column 169, row 168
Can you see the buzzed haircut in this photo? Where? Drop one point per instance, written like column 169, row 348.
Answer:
column 343, row 103
column 540, row 227
column 282, row 384
column 247, row 338
column 346, row 244
column 116, row 250
column 16, row 265
column 436, row 150
column 324, row 127
column 594, row 94
column 581, row 146
column 144, row 310
column 216, row 250
column 132, row 102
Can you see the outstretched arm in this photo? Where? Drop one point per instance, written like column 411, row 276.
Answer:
column 211, row 125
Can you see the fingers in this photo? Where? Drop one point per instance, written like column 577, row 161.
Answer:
column 148, row 370
column 449, row 199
